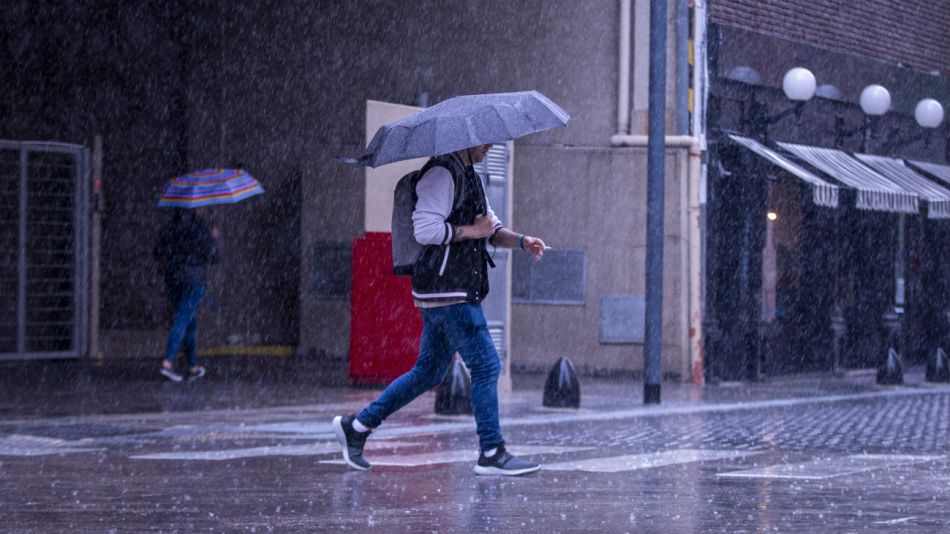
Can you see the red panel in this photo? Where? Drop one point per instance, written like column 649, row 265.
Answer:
column 384, row 323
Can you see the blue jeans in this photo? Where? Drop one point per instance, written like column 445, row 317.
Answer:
column 446, row 330
column 185, row 323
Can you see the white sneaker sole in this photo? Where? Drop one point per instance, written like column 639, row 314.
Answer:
column 341, row 439
column 171, row 375
column 495, row 471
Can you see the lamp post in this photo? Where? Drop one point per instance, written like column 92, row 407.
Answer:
column 875, row 101
column 799, row 86
column 929, row 115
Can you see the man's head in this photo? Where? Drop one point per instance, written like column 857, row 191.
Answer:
column 477, row 153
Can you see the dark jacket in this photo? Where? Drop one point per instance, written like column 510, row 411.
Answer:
column 185, row 248
column 457, row 270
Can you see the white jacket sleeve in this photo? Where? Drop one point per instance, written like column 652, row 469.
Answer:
column 435, row 192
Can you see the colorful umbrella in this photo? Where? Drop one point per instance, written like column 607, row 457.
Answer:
column 207, row 187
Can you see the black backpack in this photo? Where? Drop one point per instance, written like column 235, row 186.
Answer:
column 406, row 249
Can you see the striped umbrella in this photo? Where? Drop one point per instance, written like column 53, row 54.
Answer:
column 207, row 187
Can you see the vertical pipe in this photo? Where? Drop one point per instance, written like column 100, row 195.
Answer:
column 21, row 259
column 640, row 78
column 899, row 277
column 623, row 83
column 700, row 87
column 682, row 67
column 700, row 271
column 95, row 240
column 655, row 187
column 695, row 266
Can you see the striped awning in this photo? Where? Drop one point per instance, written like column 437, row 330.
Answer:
column 875, row 192
column 937, row 197
column 937, row 170
column 823, row 193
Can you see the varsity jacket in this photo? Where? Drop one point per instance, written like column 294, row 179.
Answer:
column 447, row 271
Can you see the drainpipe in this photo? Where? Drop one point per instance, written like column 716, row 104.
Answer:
column 700, row 75
column 623, row 83
column 698, row 203
column 682, row 67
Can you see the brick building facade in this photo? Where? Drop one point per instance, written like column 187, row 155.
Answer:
column 912, row 33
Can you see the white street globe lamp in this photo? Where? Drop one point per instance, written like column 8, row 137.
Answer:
column 799, row 84
column 875, row 100
column 929, row 113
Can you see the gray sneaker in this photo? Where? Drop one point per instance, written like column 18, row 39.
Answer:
column 196, row 374
column 171, row 375
column 351, row 441
column 504, row 463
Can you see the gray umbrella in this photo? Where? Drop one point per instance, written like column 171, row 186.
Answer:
column 462, row 122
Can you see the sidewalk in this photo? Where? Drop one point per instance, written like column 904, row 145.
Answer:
column 126, row 386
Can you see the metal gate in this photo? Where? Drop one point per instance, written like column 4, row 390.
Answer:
column 43, row 250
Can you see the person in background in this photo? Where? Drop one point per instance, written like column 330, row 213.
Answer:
column 184, row 250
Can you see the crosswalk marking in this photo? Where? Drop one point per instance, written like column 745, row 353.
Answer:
column 310, row 449
column 26, row 445
column 830, row 467
column 633, row 462
column 455, row 456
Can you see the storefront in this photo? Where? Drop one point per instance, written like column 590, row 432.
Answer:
column 819, row 255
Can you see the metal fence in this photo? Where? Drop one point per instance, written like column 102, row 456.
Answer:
column 44, row 227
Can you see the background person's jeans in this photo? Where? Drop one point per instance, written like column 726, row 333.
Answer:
column 446, row 330
column 185, row 323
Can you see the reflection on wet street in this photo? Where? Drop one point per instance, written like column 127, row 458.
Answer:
column 833, row 458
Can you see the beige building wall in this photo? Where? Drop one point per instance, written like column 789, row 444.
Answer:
column 595, row 199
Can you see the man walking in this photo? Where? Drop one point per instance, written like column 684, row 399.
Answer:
column 454, row 222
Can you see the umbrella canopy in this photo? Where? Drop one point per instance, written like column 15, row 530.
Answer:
column 210, row 186
column 462, row 122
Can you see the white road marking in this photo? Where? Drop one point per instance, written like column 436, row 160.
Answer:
column 632, row 462
column 895, row 521
column 311, row 449
column 823, row 468
column 455, row 456
column 24, row 445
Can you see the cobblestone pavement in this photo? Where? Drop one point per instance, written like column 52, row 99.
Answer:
column 834, row 458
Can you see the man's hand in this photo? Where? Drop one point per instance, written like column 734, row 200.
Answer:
column 533, row 246
column 483, row 226
column 480, row 229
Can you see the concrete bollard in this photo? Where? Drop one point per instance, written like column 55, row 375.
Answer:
column 891, row 373
column 937, row 370
column 562, row 389
column 454, row 396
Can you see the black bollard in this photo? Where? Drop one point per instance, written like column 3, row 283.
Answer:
column 937, row 370
column 562, row 390
column 454, row 396
column 891, row 374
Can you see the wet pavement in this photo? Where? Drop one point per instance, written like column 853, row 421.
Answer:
column 252, row 451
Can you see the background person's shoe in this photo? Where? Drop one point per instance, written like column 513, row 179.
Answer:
column 196, row 374
column 351, row 441
column 504, row 463
column 171, row 375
